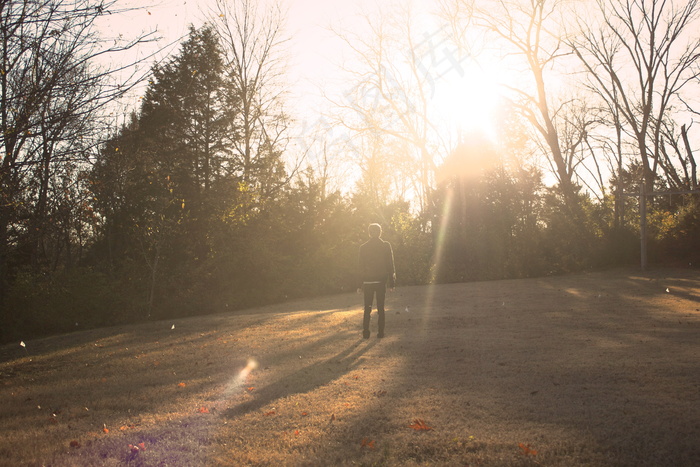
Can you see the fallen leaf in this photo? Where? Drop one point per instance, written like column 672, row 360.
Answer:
column 527, row 450
column 251, row 388
column 267, row 414
column 181, row 385
column 296, row 432
column 74, row 444
column 105, row 429
column 419, row 425
column 203, row 409
column 304, row 414
column 367, row 443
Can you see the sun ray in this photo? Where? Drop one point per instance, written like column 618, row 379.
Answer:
column 437, row 259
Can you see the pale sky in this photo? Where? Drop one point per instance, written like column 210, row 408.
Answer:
column 313, row 48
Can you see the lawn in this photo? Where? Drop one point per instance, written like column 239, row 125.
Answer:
column 597, row 369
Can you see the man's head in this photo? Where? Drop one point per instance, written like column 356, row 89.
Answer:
column 375, row 230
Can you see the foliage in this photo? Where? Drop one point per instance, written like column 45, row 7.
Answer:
column 681, row 242
column 69, row 300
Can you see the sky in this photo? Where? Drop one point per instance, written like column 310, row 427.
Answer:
column 313, row 46
column 314, row 50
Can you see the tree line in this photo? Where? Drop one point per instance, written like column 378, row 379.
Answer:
column 199, row 201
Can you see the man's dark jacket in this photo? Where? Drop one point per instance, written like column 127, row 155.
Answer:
column 377, row 262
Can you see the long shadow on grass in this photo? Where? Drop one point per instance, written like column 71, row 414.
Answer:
column 307, row 379
column 598, row 357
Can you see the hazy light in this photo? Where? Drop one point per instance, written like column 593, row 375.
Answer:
column 252, row 365
column 468, row 102
column 241, row 377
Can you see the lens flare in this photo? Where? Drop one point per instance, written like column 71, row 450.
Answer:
column 250, row 366
column 240, row 378
column 438, row 258
column 440, row 239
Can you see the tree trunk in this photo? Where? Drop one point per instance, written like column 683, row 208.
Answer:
column 691, row 159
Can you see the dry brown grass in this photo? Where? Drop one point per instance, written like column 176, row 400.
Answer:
column 591, row 369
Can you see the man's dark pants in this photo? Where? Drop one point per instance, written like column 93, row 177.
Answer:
column 378, row 289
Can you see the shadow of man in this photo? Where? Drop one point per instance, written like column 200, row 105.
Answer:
column 305, row 380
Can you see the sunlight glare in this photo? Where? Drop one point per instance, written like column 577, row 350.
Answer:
column 239, row 379
column 468, row 102
column 250, row 366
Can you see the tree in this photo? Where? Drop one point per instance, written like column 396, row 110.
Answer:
column 640, row 57
column 528, row 33
column 52, row 97
column 162, row 180
column 388, row 104
column 252, row 44
column 488, row 218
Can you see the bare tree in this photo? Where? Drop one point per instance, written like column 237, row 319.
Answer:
column 641, row 55
column 393, row 79
column 528, row 32
column 52, row 94
column 253, row 42
column 676, row 156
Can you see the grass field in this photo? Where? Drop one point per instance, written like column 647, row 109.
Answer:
column 592, row 369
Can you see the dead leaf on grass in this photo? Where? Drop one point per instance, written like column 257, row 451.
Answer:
column 367, row 443
column 203, row 409
column 181, row 385
column 267, row 414
column 74, row 444
column 419, row 425
column 527, row 450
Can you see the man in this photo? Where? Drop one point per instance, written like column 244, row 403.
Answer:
column 376, row 272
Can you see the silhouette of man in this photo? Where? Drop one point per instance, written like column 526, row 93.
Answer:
column 376, row 272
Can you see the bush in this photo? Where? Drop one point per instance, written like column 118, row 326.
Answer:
column 79, row 298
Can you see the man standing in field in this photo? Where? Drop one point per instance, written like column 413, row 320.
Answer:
column 376, row 271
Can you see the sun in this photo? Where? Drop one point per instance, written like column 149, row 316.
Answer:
column 467, row 101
